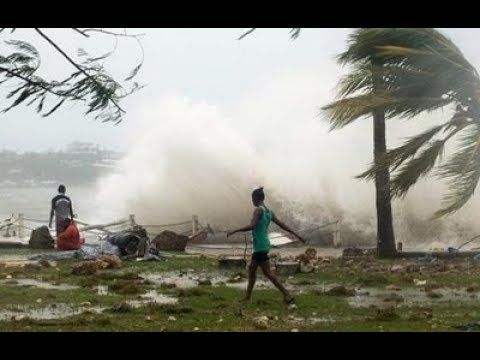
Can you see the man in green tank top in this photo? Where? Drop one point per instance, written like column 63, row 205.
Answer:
column 262, row 216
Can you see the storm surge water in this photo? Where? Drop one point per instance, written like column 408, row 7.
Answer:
column 188, row 158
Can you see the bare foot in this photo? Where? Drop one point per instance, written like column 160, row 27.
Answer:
column 245, row 300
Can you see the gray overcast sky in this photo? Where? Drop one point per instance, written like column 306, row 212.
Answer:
column 208, row 65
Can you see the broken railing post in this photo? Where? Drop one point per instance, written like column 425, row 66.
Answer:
column 20, row 225
column 132, row 220
column 337, row 235
column 194, row 225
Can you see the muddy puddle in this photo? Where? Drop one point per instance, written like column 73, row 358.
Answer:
column 190, row 280
column 38, row 284
column 367, row 296
column 60, row 311
column 152, row 297
column 54, row 311
column 15, row 262
column 12, row 258
column 407, row 296
column 312, row 320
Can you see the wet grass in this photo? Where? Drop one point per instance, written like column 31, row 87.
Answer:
column 216, row 308
column 25, row 252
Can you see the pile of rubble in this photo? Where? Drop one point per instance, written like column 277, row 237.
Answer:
column 309, row 260
column 40, row 238
column 170, row 241
column 89, row 267
column 348, row 252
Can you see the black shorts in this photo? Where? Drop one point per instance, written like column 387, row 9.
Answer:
column 260, row 256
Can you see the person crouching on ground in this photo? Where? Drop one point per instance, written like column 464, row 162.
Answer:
column 262, row 216
column 69, row 238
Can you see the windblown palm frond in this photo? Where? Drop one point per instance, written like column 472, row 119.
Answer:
column 417, row 70
column 344, row 111
column 463, row 170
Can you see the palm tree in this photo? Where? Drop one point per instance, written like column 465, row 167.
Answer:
column 400, row 73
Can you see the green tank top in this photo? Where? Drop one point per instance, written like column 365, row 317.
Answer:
column 261, row 242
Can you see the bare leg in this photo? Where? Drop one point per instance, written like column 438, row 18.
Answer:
column 252, row 277
column 267, row 271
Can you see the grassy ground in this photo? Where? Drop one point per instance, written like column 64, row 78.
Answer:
column 216, row 308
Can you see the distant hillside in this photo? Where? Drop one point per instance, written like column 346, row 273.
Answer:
column 78, row 164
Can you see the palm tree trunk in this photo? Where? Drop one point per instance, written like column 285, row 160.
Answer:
column 385, row 235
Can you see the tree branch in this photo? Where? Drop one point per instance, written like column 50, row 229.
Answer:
column 35, row 83
column 81, row 32
column 76, row 65
column 109, row 33
column 247, row 33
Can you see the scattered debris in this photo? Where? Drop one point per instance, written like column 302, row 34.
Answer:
column 287, row 267
column 306, row 267
column 129, row 242
column 170, row 241
column 422, row 314
column 475, row 325
column 387, row 314
column 393, row 297
column 40, row 238
column 370, row 279
column 236, row 278
column 33, row 267
column 352, row 252
column 126, row 288
column 431, row 285
column 413, row 268
column 45, row 263
column 308, row 260
column 472, row 288
column 165, row 285
column 358, row 252
column 122, row 307
column 302, row 282
column 392, row 288
column 419, row 283
column 113, row 261
column 232, row 262
column 89, row 267
column 340, row 290
column 398, row 268
column 21, row 317
column 433, row 294
column 261, row 322
column 205, row 281
column 427, row 259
